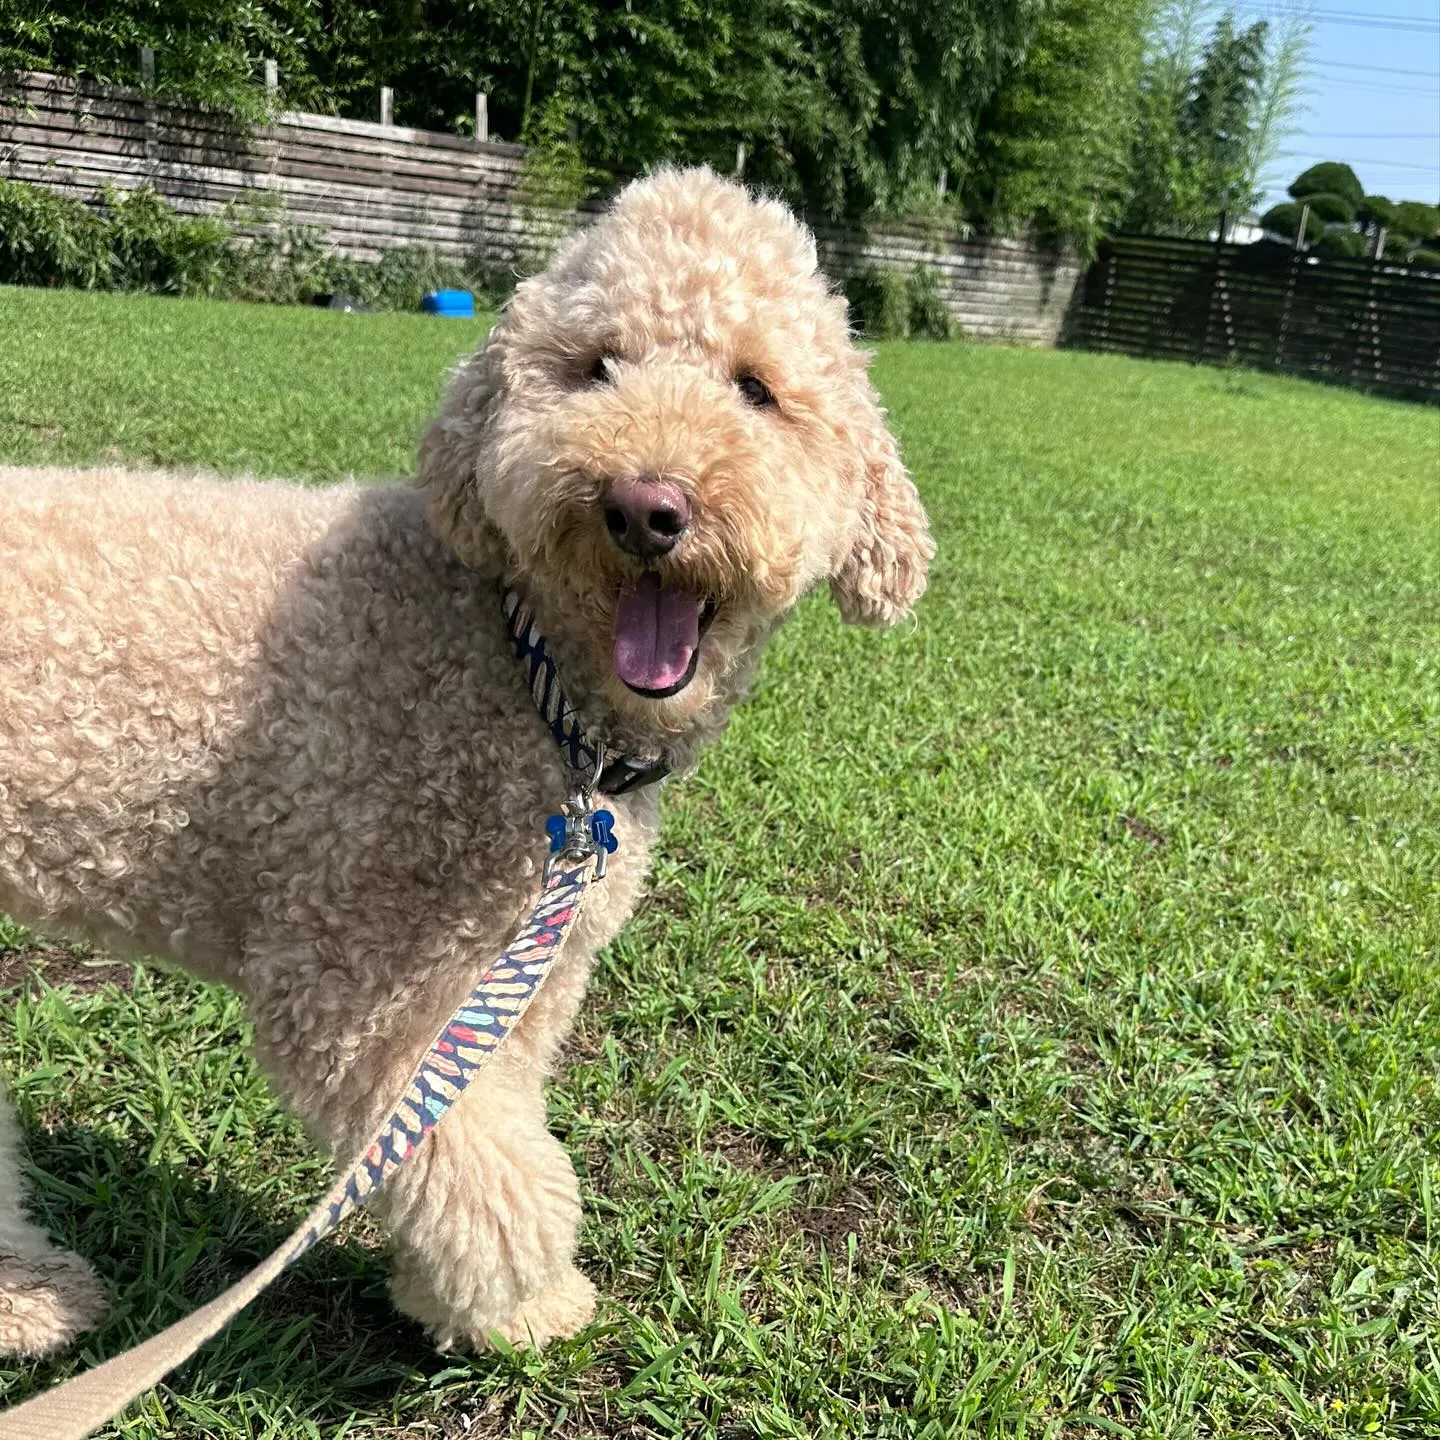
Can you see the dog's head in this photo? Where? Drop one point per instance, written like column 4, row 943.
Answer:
column 669, row 438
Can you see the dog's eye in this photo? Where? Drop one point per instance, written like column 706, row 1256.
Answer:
column 755, row 392
column 599, row 371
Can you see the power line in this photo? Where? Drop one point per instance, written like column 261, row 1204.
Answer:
column 1352, row 17
column 1381, row 89
column 1432, row 135
column 1386, row 22
column 1378, row 69
column 1360, row 17
column 1361, row 160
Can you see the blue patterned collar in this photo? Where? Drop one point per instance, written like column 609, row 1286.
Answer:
column 621, row 773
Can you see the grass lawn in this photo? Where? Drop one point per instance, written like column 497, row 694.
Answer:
column 1032, row 1030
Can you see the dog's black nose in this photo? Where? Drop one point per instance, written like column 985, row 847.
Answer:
column 646, row 517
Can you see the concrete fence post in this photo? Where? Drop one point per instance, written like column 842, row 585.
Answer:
column 152, row 135
column 272, row 78
column 387, row 105
column 482, row 116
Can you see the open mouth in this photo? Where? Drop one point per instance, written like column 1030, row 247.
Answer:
column 658, row 629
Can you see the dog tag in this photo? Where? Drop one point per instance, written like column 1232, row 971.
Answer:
column 602, row 827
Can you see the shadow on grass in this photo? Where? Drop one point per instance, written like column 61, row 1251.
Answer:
column 324, row 1340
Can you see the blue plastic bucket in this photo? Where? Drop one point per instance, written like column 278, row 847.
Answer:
column 457, row 303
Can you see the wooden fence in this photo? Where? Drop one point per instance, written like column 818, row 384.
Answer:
column 997, row 288
column 1372, row 324
column 371, row 187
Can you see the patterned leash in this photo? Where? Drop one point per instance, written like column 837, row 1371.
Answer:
column 580, row 839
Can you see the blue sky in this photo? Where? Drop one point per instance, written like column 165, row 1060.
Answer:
column 1373, row 97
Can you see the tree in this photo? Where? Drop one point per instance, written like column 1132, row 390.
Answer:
column 900, row 89
column 206, row 51
column 1057, row 136
column 1219, row 117
column 1199, row 112
column 848, row 108
column 1282, row 91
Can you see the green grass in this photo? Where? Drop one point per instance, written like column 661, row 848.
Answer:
column 1032, row 1027
column 265, row 388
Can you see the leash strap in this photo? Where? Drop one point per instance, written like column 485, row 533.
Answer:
column 469, row 1038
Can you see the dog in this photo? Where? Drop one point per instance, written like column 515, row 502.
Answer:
column 282, row 736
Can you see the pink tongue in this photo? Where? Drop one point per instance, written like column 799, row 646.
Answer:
column 656, row 632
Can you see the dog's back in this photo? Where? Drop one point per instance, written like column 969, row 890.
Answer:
column 131, row 606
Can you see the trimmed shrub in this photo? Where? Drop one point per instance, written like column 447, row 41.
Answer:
column 1426, row 259
column 879, row 298
column 1331, row 208
column 929, row 317
column 1414, row 220
column 1329, row 177
column 1343, row 244
column 1375, row 210
column 1284, row 220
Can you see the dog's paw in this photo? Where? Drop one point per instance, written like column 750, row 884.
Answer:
column 564, row 1308
column 46, row 1301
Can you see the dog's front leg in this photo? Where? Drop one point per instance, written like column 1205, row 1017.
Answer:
column 484, row 1218
column 484, row 1214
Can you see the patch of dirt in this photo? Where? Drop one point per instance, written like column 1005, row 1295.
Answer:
column 755, row 1154
column 42, row 431
column 61, row 965
column 1304, row 755
column 1141, row 831
column 585, row 1042
column 494, row 1417
column 851, row 1212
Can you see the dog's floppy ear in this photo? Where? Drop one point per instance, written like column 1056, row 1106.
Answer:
column 452, row 447
column 884, row 573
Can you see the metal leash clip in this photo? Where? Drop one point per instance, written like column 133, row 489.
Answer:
column 582, row 830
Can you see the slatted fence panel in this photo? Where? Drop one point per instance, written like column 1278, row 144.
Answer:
column 1370, row 324
column 369, row 187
